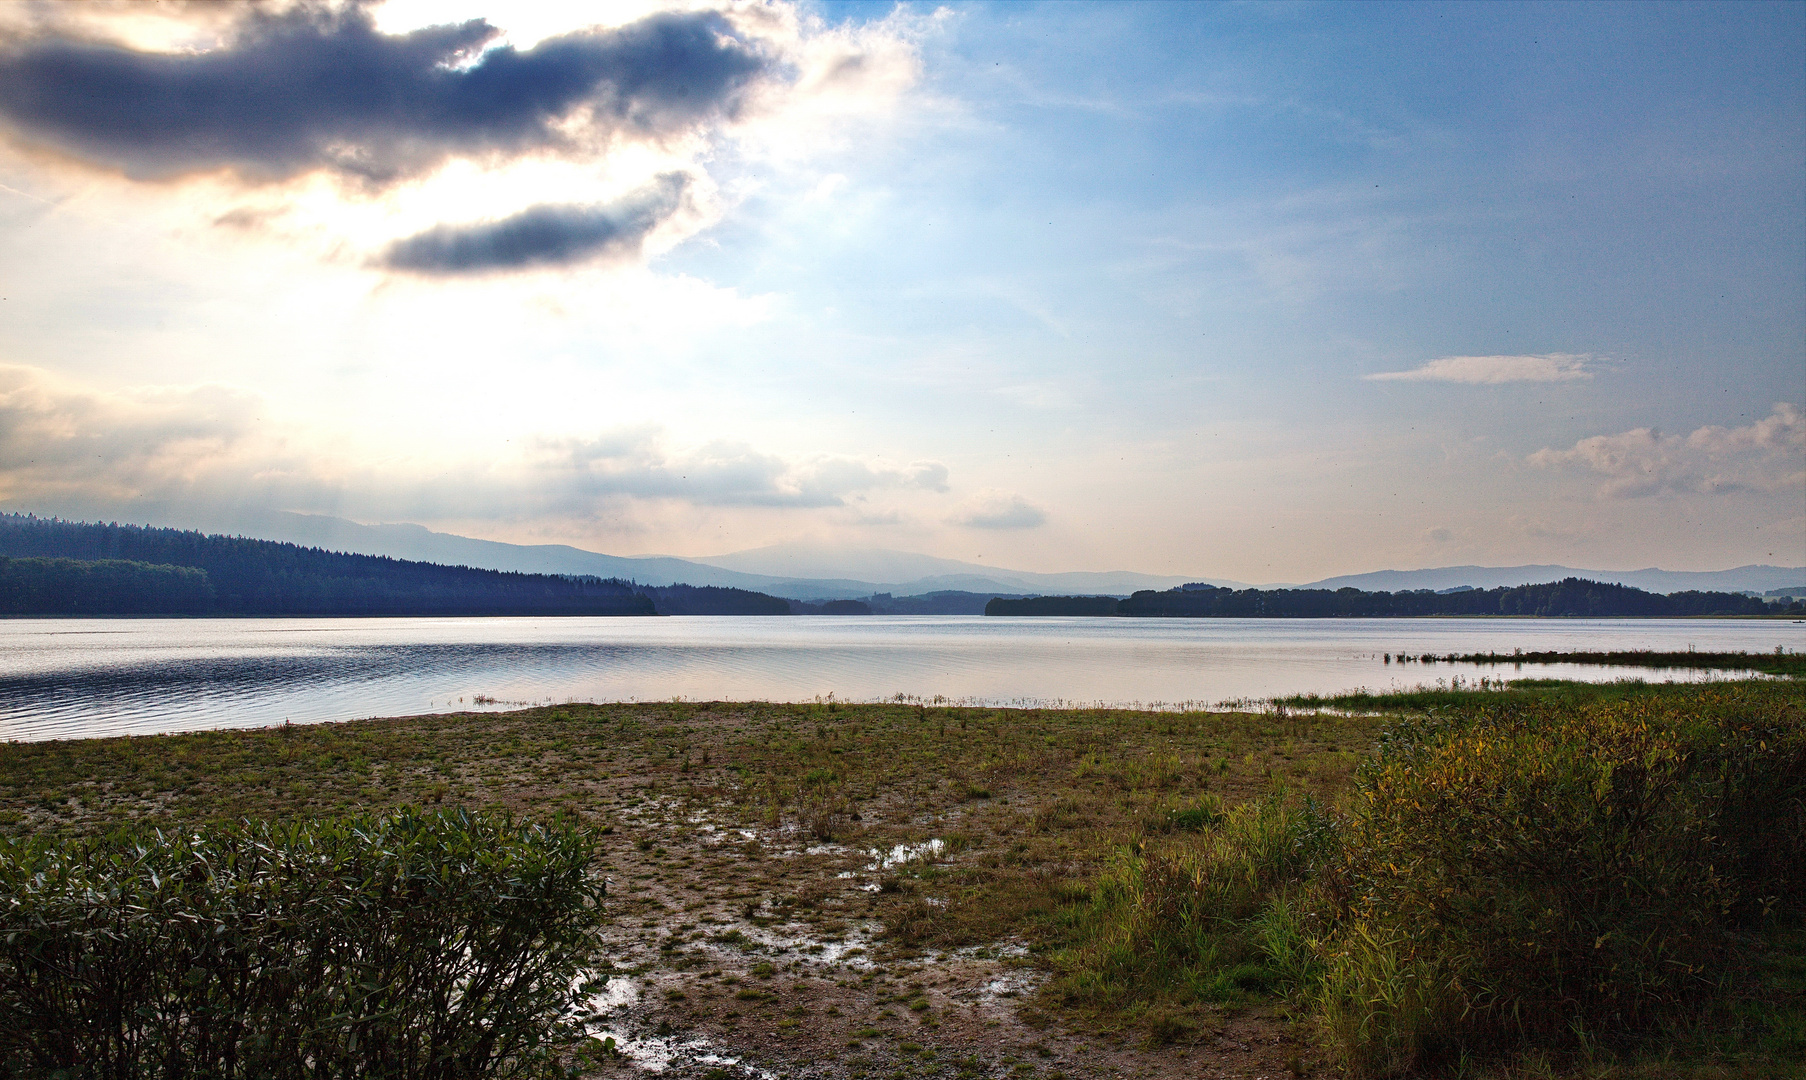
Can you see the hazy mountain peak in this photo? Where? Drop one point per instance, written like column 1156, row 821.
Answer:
column 1755, row 577
column 814, row 559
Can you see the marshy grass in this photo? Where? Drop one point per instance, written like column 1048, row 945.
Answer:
column 1467, row 694
column 1207, row 918
column 1553, row 876
column 1469, row 881
column 1039, row 799
column 1562, row 875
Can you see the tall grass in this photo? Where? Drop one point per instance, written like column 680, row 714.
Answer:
column 1207, row 917
column 1544, row 874
column 1506, row 876
column 441, row 945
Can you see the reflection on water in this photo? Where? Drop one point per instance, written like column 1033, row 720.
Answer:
column 66, row 678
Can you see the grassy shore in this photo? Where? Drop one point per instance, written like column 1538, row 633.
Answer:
column 885, row 890
column 1792, row 665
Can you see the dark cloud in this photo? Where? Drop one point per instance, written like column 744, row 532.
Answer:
column 541, row 235
column 321, row 88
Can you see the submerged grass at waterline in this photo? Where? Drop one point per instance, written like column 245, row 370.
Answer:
column 1779, row 662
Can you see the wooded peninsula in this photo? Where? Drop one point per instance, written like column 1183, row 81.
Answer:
column 1570, row 597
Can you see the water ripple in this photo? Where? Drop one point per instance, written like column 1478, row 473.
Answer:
column 65, row 678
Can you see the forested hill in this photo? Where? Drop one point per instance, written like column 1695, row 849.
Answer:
column 713, row 600
column 1569, row 597
column 60, row 567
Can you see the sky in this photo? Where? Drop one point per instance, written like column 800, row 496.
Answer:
column 1259, row 291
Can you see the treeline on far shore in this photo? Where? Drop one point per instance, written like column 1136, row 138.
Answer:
column 53, row 567
column 39, row 586
column 50, row 567
column 1571, row 597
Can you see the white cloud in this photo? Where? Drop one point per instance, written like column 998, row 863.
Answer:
column 57, row 437
column 829, row 186
column 1781, row 431
column 205, row 447
column 1492, row 370
column 636, row 463
column 1768, row 455
column 993, row 509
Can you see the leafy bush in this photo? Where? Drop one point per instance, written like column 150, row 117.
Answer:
column 1521, row 875
column 411, row 944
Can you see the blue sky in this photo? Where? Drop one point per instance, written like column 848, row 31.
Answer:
column 1269, row 292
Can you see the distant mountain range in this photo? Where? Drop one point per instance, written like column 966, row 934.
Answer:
column 906, row 573
column 816, row 572
column 798, row 571
column 1753, row 578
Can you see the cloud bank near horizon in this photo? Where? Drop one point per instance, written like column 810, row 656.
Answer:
column 1768, row 455
column 1494, row 370
column 993, row 509
column 204, row 446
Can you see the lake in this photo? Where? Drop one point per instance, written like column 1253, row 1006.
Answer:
column 72, row 678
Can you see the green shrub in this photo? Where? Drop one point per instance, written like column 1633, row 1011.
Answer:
column 1526, row 875
column 430, row 945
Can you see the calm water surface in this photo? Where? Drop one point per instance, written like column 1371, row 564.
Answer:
column 69, row 678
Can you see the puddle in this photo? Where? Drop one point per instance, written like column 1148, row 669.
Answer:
column 903, row 853
column 715, row 835
column 1013, row 985
column 719, row 1059
column 613, row 1019
column 851, row 949
column 620, row 993
column 1008, row 950
column 656, row 1053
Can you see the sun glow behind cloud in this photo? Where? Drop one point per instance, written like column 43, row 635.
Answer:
column 394, row 356
column 471, row 126
column 1151, row 285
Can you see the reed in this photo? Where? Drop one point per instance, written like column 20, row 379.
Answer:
column 1551, row 876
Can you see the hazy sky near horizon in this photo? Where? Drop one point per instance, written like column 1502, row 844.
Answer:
column 1258, row 291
